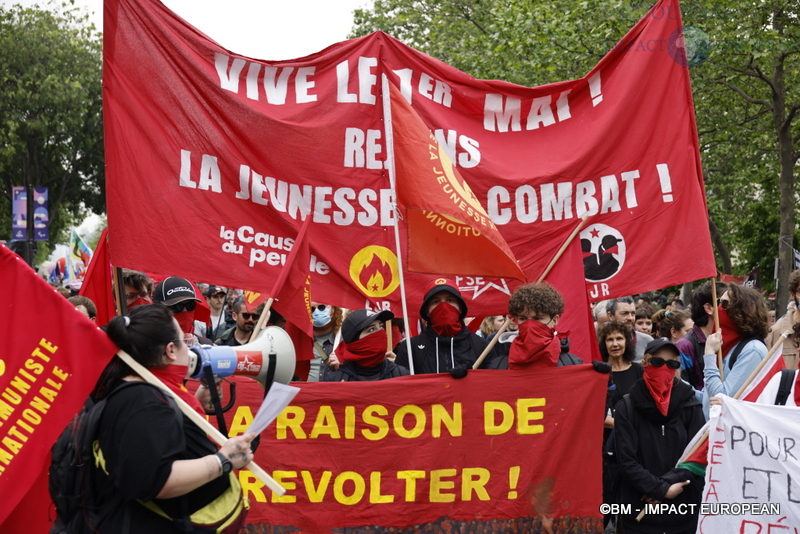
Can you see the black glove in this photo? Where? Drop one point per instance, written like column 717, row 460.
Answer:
column 459, row 371
column 601, row 367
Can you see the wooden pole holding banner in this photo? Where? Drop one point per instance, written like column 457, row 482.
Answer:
column 119, row 292
column 738, row 394
column 547, row 270
column 387, row 124
column 716, row 326
column 389, row 345
column 262, row 319
column 199, row 420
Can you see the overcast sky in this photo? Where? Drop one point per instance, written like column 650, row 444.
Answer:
column 261, row 29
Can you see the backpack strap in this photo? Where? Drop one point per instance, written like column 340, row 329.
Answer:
column 785, row 387
column 738, row 350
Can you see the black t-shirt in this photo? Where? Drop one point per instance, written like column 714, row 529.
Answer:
column 140, row 437
column 623, row 382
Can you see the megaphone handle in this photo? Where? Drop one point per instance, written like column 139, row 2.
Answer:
column 212, row 388
column 231, row 400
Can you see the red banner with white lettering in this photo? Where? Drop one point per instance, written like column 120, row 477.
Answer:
column 47, row 369
column 225, row 155
column 492, row 448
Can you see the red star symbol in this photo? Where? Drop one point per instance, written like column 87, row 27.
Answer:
column 374, row 287
column 595, row 233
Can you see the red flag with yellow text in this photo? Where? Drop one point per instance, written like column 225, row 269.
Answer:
column 47, row 369
column 448, row 229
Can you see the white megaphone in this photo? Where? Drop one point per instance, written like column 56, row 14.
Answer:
column 252, row 359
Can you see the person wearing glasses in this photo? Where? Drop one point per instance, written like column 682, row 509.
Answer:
column 138, row 289
column 744, row 324
column 179, row 296
column 652, row 426
column 245, row 323
column 155, row 470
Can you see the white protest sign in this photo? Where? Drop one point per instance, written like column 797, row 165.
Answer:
column 753, row 475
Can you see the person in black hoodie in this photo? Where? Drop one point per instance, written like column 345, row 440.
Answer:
column 652, row 426
column 446, row 343
column 363, row 349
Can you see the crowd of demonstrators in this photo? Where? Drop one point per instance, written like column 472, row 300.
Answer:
column 623, row 310
column 744, row 326
column 535, row 310
column 363, row 349
column 445, row 343
column 653, row 425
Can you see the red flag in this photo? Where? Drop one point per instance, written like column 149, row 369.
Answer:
column 567, row 276
column 291, row 289
column 47, row 370
column 449, row 231
column 98, row 282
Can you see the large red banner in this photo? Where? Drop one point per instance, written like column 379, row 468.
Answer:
column 225, row 155
column 494, row 446
column 50, row 360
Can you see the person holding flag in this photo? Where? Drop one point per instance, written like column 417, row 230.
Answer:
column 445, row 343
column 363, row 349
column 155, row 468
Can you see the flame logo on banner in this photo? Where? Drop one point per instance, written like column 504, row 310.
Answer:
column 374, row 271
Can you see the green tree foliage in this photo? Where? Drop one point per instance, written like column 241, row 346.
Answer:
column 51, row 132
column 746, row 93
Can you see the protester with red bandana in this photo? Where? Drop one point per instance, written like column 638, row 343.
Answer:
column 155, row 467
column 362, row 350
column 178, row 295
column 445, row 343
column 652, row 426
column 744, row 324
column 535, row 310
column 138, row 289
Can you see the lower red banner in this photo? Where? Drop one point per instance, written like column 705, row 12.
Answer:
column 493, row 448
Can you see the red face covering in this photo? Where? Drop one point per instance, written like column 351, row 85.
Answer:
column 659, row 381
column 368, row 351
column 536, row 343
column 730, row 332
column 445, row 320
column 138, row 302
column 186, row 321
column 173, row 377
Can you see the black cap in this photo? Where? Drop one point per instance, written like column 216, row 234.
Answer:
column 660, row 343
column 173, row 289
column 213, row 290
column 437, row 285
column 358, row 320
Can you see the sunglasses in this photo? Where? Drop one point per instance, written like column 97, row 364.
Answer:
column 723, row 303
column 657, row 361
column 320, row 307
column 186, row 305
column 249, row 316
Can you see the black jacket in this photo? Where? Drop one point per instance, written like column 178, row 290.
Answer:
column 352, row 372
column 648, row 446
column 463, row 349
column 227, row 338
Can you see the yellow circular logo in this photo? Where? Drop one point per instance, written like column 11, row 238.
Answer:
column 461, row 187
column 440, row 281
column 374, row 271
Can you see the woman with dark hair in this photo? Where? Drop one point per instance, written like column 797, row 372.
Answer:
column 616, row 347
column 654, row 424
column 744, row 324
column 693, row 345
column 157, row 469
